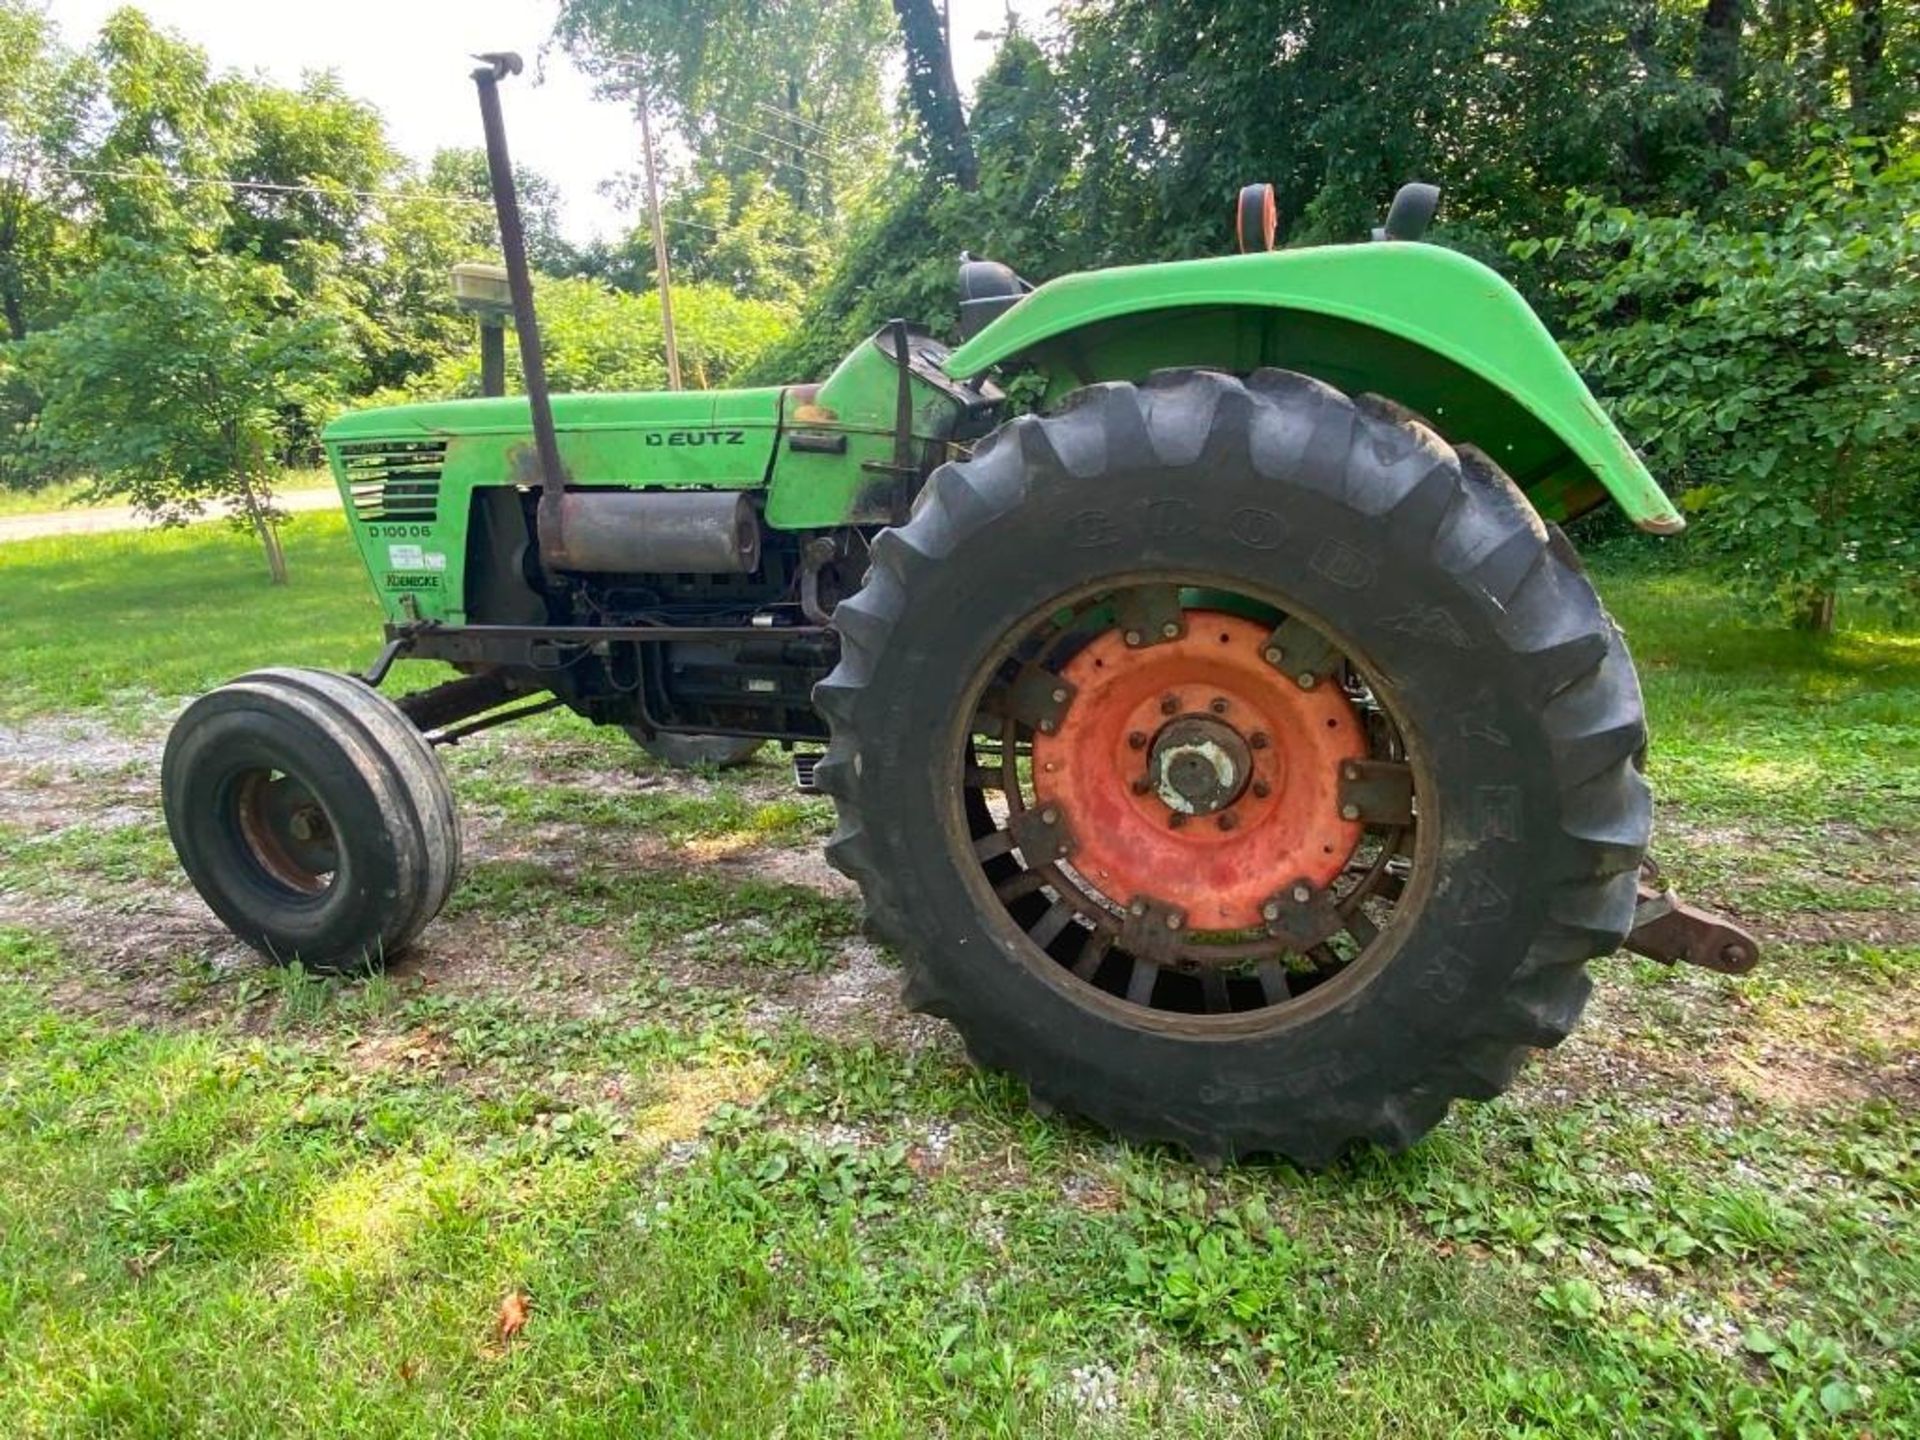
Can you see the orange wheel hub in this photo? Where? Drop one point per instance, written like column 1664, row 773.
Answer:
column 1195, row 774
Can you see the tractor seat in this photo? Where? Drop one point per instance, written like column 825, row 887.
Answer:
column 987, row 290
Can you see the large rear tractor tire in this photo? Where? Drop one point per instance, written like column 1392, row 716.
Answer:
column 312, row 817
column 1237, row 763
column 691, row 752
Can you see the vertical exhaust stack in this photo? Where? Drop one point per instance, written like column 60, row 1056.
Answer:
column 513, row 244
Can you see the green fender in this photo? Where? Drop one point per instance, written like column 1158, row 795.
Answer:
column 1430, row 328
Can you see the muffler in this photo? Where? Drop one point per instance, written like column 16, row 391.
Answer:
column 656, row 532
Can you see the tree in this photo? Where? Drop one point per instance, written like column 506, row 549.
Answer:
column 165, row 121
column 43, row 111
column 303, row 163
column 178, row 382
column 460, row 172
column 1769, row 367
column 1718, row 64
column 788, row 88
column 933, row 93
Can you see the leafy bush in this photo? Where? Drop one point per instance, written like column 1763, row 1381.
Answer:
column 594, row 338
column 1768, row 367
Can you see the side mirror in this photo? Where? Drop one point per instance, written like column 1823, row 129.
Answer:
column 1256, row 218
column 1413, row 209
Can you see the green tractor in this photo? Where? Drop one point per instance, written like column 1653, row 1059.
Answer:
column 1232, row 748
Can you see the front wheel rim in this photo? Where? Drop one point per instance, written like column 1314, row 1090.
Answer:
column 283, row 830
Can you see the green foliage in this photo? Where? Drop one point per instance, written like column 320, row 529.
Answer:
column 903, row 245
column 181, row 381
column 1126, row 140
column 43, row 117
column 747, row 235
column 1767, row 362
column 594, row 338
column 781, row 108
column 789, row 89
column 142, row 140
column 1221, row 1273
column 316, row 137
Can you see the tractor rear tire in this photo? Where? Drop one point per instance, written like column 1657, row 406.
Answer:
column 312, row 816
column 690, row 752
column 1455, row 644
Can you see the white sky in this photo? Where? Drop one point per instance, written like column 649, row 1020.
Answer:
column 409, row 58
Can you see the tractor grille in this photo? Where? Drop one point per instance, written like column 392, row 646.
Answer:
column 394, row 480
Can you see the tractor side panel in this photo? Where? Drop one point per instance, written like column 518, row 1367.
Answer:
column 408, row 474
column 1432, row 329
column 836, row 462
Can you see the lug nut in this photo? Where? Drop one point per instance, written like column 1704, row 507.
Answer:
column 1258, row 740
column 1133, row 637
column 1306, row 680
column 1349, row 812
column 1171, row 629
column 1270, row 911
column 1173, row 922
column 1302, row 894
column 1059, row 697
column 1218, row 705
column 1273, row 654
column 1138, row 907
column 1050, row 816
column 1229, row 821
column 1136, row 740
column 1169, row 704
column 1048, row 727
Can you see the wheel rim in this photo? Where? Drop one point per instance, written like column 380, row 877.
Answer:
column 284, row 830
column 1191, row 801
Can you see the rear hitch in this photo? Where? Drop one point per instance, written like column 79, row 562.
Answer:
column 1668, row 929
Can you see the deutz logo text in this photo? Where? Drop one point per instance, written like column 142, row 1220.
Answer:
column 696, row 437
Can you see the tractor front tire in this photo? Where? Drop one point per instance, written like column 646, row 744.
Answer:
column 312, row 816
column 1237, row 763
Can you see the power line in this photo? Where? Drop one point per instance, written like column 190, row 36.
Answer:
column 740, row 149
column 781, row 245
column 820, row 155
column 799, row 120
column 697, row 224
column 271, row 186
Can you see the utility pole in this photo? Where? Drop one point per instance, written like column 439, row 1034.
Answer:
column 662, row 274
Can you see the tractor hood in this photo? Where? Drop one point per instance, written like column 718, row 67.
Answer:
column 716, row 438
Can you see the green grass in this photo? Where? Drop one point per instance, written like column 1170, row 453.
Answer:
column 107, row 623
column 75, row 494
column 634, row 1077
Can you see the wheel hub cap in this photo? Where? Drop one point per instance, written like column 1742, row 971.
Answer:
column 1193, row 774
column 1199, row 765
